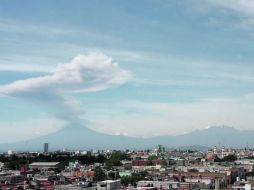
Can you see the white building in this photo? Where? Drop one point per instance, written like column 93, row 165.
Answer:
column 1, row 165
column 109, row 185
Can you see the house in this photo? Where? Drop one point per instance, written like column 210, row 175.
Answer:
column 44, row 165
column 109, row 185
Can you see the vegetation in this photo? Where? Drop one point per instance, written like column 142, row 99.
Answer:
column 133, row 179
column 113, row 175
column 116, row 157
column 229, row 158
column 14, row 162
column 99, row 174
column 153, row 157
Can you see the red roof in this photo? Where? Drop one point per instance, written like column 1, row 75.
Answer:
column 88, row 173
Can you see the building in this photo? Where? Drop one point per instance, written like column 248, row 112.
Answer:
column 45, row 147
column 109, row 185
column 9, row 152
column 44, row 165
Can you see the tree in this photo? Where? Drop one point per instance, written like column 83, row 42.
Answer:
column 115, row 158
column 133, row 179
column 163, row 163
column 228, row 158
column 99, row 174
column 113, row 175
column 153, row 157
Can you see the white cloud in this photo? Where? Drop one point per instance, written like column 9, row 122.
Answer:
column 85, row 73
column 239, row 6
column 240, row 12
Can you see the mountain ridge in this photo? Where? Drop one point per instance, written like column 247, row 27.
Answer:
column 80, row 137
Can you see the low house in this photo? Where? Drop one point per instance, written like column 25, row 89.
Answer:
column 44, row 165
column 109, row 185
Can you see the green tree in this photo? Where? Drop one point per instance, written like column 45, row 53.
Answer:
column 163, row 163
column 113, row 175
column 99, row 174
column 133, row 179
column 153, row 157
column 115, row 158
column 228, row 158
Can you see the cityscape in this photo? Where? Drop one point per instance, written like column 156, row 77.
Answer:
column 127, row 95
column 158, row 168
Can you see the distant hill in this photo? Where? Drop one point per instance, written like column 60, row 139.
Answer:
column 79, row 137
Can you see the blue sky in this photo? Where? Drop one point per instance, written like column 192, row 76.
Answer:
column 168, row 67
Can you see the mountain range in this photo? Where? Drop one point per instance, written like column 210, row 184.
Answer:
column 83, row 138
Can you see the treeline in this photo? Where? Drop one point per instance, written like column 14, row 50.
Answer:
column 115, row 158
column 14, row 162
column 229, row 158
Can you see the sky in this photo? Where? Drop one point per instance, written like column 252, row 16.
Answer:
column 136, row 68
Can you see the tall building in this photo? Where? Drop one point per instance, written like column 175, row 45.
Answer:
column 161, row 149
column 46, row 147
